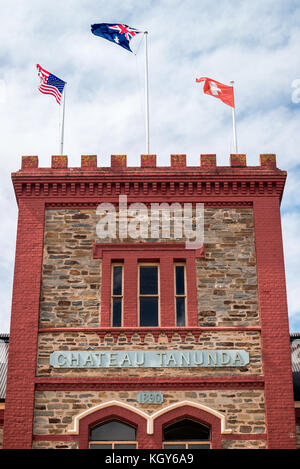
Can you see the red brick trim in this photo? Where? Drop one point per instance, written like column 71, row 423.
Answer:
column 224, row 437
column 173, row 248
column 23, row 341
column 133, row 330
column 93, row 203
column 276, row 354
column 178, row 383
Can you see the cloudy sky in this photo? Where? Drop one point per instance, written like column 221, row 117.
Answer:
column 254, row 42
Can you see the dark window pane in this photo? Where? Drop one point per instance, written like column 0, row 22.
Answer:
column 175, row 446
column 148, row 280
column 117, row 280
column 198, row 446
column 113, row 431
column 186, row 430
column 179, row 280
column 125, row 446
column 100, row 446
column 180, row 312
column 148, row 311
column 117, row 312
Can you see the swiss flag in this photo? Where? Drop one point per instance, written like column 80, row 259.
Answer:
column 218, row 90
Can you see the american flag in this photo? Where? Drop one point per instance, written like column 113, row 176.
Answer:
column 50, row 84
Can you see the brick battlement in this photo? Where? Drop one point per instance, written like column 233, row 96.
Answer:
column 177, row 162
column 178, row 180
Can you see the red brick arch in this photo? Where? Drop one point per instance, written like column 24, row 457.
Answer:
column 193, row 413
column 108, row 413
column 146, row 440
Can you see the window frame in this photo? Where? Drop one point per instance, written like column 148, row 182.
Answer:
column 112, row 296
column 144, row 263
column 113, row 442
column 186, row 443
column 133, row 253
column 181, row 264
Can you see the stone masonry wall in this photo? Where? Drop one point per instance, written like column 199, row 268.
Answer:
column 71, row 297
column 71, row 282
column 244, row 444
column 54, row 445
column 226, row 278
column 60, row 341
column 55, row 410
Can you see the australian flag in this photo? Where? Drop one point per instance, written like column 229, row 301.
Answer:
column 118, row 33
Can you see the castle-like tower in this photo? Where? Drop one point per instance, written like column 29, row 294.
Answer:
column 145, row 342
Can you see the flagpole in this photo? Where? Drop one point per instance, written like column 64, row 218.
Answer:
column 234, row 124
column 147, row 95
column 63, row 123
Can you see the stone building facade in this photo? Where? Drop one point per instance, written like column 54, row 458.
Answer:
column 193, row 336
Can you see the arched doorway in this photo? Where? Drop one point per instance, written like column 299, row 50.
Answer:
column 186, row 434
column 113, row 434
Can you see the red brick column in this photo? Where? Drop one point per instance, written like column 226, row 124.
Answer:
column 105, row 318
column 280, row 413
column 167, row 298
column 19, row 402
column 192, row 317
column 130, row 305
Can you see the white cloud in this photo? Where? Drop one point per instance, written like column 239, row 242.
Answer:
column 255, row 43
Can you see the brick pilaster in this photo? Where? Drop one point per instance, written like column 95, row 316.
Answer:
column 19, row 403
column 280, row 412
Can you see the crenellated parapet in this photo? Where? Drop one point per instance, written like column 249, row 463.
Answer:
column 180, row 181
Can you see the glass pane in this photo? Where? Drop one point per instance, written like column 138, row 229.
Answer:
column 180, row 312
column 148, row 311
column 176, row 446
column 117, row 280
column 148, row 280
column 195, row 446
column 100, row 446
column 113, row 431
column 179, row 280
column 186, row 430
column 117, row 312
column 125, row 446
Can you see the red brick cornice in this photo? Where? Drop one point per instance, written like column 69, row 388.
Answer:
column 178, row 181
column 99, row 248
column 135, row 184
column 151, row 383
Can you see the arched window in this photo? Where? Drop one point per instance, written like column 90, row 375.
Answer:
column 113, row 435
column 186, row 434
